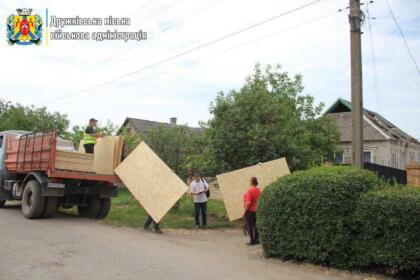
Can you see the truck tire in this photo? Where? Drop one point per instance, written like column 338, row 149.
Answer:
column 92, row 210
column 82, row 211
column 2, row 203
column 32, row 202
column 50, row 207
column 105, row 206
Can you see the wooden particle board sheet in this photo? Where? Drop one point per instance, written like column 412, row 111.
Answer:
column 151, row 181
column 108, row 152
column 118, row 150
column 81, row 147
column 74, row 161
column 234, row 184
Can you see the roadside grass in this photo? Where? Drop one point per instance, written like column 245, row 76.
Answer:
column 126, row 211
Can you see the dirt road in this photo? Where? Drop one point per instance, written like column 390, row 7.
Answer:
column 68, row 247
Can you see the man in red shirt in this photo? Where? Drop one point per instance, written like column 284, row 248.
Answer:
column 251, row 198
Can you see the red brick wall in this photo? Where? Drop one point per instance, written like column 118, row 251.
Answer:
column 413, row 174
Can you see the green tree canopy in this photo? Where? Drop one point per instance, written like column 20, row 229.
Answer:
column 180, row 148
column 31, row 118
column 268, row 118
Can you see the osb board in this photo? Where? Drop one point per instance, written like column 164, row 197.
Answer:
column 151, row 181
column 81, row 147
column 104, row 155
column 74, row 161
column 234, row 184
column 119, row 142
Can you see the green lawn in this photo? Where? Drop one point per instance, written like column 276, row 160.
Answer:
column 126, row 211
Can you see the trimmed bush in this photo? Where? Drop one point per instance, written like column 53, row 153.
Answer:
column 389, row 230
column 308, row 215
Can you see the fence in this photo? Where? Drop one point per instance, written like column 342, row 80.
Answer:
column 388, row 173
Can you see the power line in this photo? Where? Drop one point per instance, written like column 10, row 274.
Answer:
column 256, row 40
column 403, row 37
column 229, row 35
column 105, row 59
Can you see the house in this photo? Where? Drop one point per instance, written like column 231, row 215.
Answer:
column 133, row 125
column 383, row 142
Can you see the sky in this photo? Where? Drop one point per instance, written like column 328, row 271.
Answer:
column 87, row 79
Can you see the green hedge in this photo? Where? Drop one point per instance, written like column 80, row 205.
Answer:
column 341, row 216
column 308, row 215
column 388, row 231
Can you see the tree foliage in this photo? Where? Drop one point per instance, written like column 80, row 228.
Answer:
column 269, row 118
column 181, row 149
column 31, row 118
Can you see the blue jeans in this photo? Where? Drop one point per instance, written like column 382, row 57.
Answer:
column 203, row 207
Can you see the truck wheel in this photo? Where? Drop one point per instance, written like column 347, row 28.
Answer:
column 50, row 207
column 82, row 211
column 105, row 206
column 92, row 210
column 2, row 203
column 32, row 202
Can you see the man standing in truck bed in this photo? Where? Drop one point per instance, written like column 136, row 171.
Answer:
column 90, row 135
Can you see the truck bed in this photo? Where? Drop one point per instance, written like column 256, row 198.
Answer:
column 38, row 152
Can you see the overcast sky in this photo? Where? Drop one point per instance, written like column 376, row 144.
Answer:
column 184, row 87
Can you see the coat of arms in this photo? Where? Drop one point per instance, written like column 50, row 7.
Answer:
column 24, row 28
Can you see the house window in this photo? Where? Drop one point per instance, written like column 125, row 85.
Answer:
column 367, row 156
column 339, row 158
column 1, row 141
column 412, row 155
column 394, row 161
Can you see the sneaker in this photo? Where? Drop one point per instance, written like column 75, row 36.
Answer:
column 205, row 227
column 250, row 244
column 158, row 231
column 197, row 226
column 146, row 228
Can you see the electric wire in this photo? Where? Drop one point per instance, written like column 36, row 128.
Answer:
column 103, row 60
column 410, row 54
column 194, row 49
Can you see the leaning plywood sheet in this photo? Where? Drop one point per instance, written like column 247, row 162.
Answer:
column 104, row 155
column 233, row 185
column 151, row 181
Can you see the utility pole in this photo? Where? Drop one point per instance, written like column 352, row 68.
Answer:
column 355, row 18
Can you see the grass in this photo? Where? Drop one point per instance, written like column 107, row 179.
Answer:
column 126, row 211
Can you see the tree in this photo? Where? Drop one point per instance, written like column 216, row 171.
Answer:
column 268, row 118
column 31, row 118
column 180, row 148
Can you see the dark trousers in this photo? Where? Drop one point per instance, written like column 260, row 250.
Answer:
column 203, row 207
column 149, row 221
column 89, row 148
column 251, row 226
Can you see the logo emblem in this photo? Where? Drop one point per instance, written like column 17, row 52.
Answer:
column 24, row 28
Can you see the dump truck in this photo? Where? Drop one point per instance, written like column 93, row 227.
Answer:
column 29, row 171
